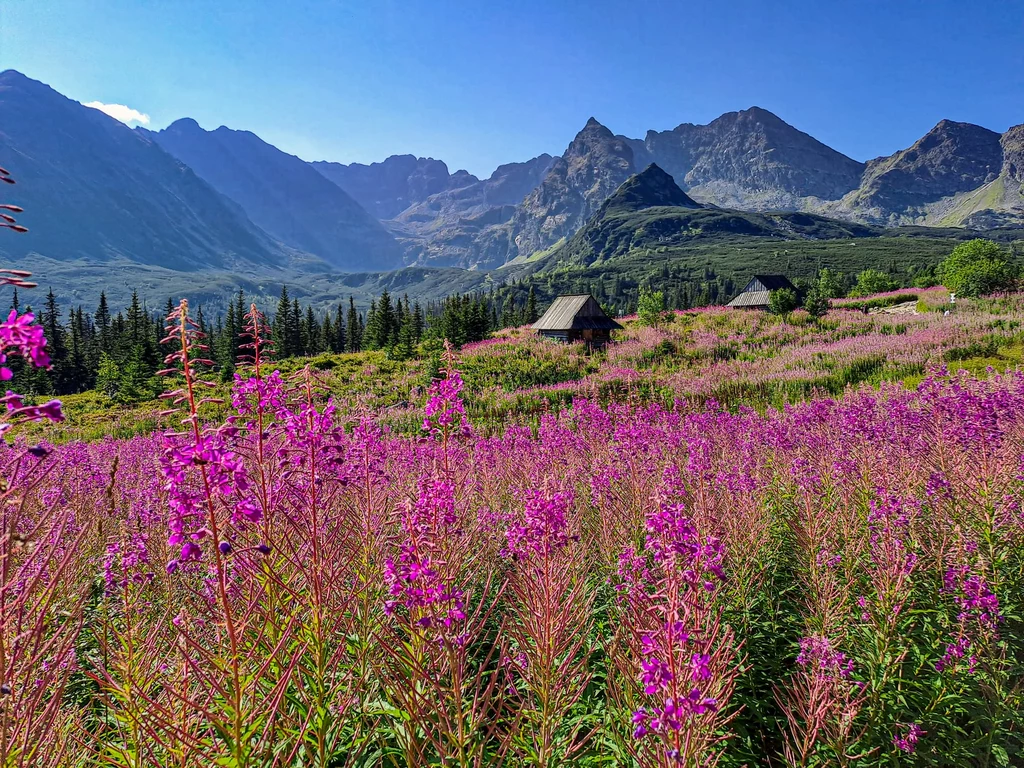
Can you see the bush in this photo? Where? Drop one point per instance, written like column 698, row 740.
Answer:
column 650, row 309
column 830, row 284
column 977, row 268
column 782, row 301
column 816, row 303
column 873, row 281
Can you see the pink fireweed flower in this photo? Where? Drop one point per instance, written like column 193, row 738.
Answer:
column 227, row 477
column 252, row 392
column 445, row 411
column 127, row 563
column 978, row 616
column 414, row 578
column 906, row 739
column 818, row 655
column 17, row 333
column 674, row 542
column 16, row 408
column 544, row 529
column 415, row 584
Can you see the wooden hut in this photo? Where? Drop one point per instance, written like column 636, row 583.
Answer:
column 577, row 318
column 755, row 295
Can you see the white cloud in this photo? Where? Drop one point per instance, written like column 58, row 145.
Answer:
column 126, row 115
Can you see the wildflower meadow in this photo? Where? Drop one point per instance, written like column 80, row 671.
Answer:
column 837, row 581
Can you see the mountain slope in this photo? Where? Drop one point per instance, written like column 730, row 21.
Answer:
column 386, row 189
column 445, row 229
column 592, row 167
column 437, row 216
column 95, row 190
column 649, row 212
column 751, row 159
column 284, row 196
column 950, row 159
column 650, row 188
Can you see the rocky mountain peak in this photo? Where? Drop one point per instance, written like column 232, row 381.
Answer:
column 650, row 188
column 950, row 159
column 1012, row 143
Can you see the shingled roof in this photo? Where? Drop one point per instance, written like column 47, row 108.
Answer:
column 758, row 290
column 575, row 313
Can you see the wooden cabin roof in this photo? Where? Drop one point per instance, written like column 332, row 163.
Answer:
column 575, row 313
column 758, row 290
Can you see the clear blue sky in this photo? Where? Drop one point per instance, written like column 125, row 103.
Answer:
column 479, row 84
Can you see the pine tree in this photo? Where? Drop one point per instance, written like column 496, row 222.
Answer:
column 226, row 343
column 108, row 376
column 310, row 333
column 531, row 307
column 103, row 324
column 371, row 333
column 56, row 345
column 200, row 321
column 78, row 371
column 297, row 343
column 282, row 338
column 240, row 311
column 406, row 343
column 387, row 329
column 135, row 323
column 355, row 336
column 338, row 342
column 326, row 340
column 418, row 323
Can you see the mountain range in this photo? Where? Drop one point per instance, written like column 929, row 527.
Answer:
column 100, row 196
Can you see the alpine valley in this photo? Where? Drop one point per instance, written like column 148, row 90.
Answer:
column 188, row 211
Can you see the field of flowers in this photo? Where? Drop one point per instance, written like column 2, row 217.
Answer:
column 658, row 575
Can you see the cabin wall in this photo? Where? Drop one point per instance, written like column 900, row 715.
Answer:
column 596, row 338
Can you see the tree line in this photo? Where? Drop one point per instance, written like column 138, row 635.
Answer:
column 119, row 354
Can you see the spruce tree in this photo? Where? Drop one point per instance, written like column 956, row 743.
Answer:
column 354, row 340
column 226, row 346
column 282, row 338
column 418, row 322
column 338, row 342
column 386, row 330
column 56, row 345
column 326, row 340
column 297, row 343
column 310, row 333
column 371, row 333
column 103, row 325
column 531, row 307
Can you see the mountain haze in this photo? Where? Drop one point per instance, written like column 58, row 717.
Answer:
column 95, row 190
column 284, row 196
column 386, row 189
column 593, row 166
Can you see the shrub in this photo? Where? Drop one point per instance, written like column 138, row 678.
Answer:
column 830, row 284
column 816, row 303
column 977, row 268
column 873, row 281
column 782, row 301
column 650, row 309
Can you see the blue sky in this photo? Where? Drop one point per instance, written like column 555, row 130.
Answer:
column 479, row 84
